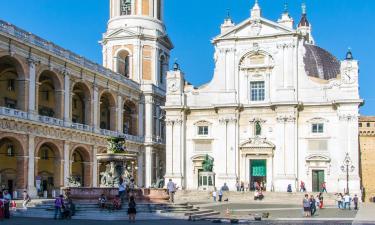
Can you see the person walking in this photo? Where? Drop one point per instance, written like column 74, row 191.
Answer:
column 121, row 189
column 132, row 211
column 355, row 201
column 59, row 203
column 324, row 187
column 339, row 201
column 302, row 187
column 7, row 199
column 321, row 200
column 306, row 206
column 26, row 199
column 347, row 201
column 1, row 206
column 312, row 205
column 220, row 195
column 214, row 195
column 171, row 190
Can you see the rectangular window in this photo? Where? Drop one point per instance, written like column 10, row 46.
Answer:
column 257, row 91
column 318, row 128
column 203, row 130
column 11, row 85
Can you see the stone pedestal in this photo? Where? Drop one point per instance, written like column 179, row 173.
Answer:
column 206, row 181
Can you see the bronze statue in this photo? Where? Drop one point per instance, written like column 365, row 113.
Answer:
column 207, row 164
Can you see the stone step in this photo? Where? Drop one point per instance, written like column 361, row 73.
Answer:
column 199, row 212
column 203, row 215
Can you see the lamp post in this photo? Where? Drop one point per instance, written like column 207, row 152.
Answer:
column 347, row 167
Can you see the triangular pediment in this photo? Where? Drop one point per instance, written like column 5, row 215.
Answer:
column 255, row 28
column 257, row 142
column 121, row 32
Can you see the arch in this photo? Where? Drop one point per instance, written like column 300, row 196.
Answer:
column 12, row 83
column 123, row 62
column 81, row 104
column 50, row 94
column 80, row 166
column 13, row 164
column 162, row 68
column 48, row 167
column 130, row 118
column 107, row 111
column 256, row 57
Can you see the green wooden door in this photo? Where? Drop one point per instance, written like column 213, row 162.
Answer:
column 317, row 180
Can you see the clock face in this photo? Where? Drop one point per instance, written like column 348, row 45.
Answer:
column 172, row 86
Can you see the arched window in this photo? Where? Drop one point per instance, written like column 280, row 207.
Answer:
column 123, row 63
column 126, row 7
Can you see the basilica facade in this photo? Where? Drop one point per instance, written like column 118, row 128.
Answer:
column 57, row 108
column 279, row 111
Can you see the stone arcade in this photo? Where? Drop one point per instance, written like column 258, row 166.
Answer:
column 279, row 110
column 57, row 109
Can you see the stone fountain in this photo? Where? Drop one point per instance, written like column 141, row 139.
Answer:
column 117, row 162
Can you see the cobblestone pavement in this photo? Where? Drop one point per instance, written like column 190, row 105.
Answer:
column 277, row 211
column 30, row 221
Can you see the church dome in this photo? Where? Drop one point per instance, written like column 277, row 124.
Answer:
column 320, row 63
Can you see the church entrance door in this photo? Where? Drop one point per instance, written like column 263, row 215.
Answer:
column 317, row 180
column 258, row 174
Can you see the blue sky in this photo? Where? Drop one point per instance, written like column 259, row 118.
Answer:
column 78, row 25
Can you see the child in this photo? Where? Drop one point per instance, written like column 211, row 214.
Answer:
column 214, row 195
column 132, row 211
column 13, row 206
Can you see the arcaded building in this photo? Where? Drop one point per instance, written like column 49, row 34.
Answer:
column 57, row 109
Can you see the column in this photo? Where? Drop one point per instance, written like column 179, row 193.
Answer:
column 140, row 171
column 67, row 96
column 157, row 165
column 95, row 167
column 31, row 170
column 149, row 117
column 139, row 7
column 141, row 118
column 66, row 163
column 156, row 3
column 95, row 110
column 32, row 88
column 148, row 166
column 120, row 112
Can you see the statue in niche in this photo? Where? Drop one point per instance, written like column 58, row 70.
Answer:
column 258, row 128
column 207, row 164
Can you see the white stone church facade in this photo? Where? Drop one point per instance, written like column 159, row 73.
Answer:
column 279, row 110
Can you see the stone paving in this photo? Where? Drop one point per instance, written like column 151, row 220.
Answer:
column 276, row 211
column 33, row 221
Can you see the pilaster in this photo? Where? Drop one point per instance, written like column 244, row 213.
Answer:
column 31, row 167
column 67, row 164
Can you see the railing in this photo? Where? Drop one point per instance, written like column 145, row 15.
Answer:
column 13, row 112
column 50, row 120
column 58, row 122
column 82, row 127
column 32, row 39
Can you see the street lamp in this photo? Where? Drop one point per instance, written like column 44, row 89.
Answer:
column 347, row 167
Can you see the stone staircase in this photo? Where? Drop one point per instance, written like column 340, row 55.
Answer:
column 90, row 211
column 198, row 197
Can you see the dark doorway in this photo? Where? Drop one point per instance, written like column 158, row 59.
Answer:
column 10, row 187
column 317, row 180
column 258, row 174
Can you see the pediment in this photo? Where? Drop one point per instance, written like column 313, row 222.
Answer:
column 257, row 142
column 255, row 28
column 121, row 32
column 318, row 158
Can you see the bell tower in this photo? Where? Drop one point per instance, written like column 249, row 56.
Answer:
column 136, row 44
